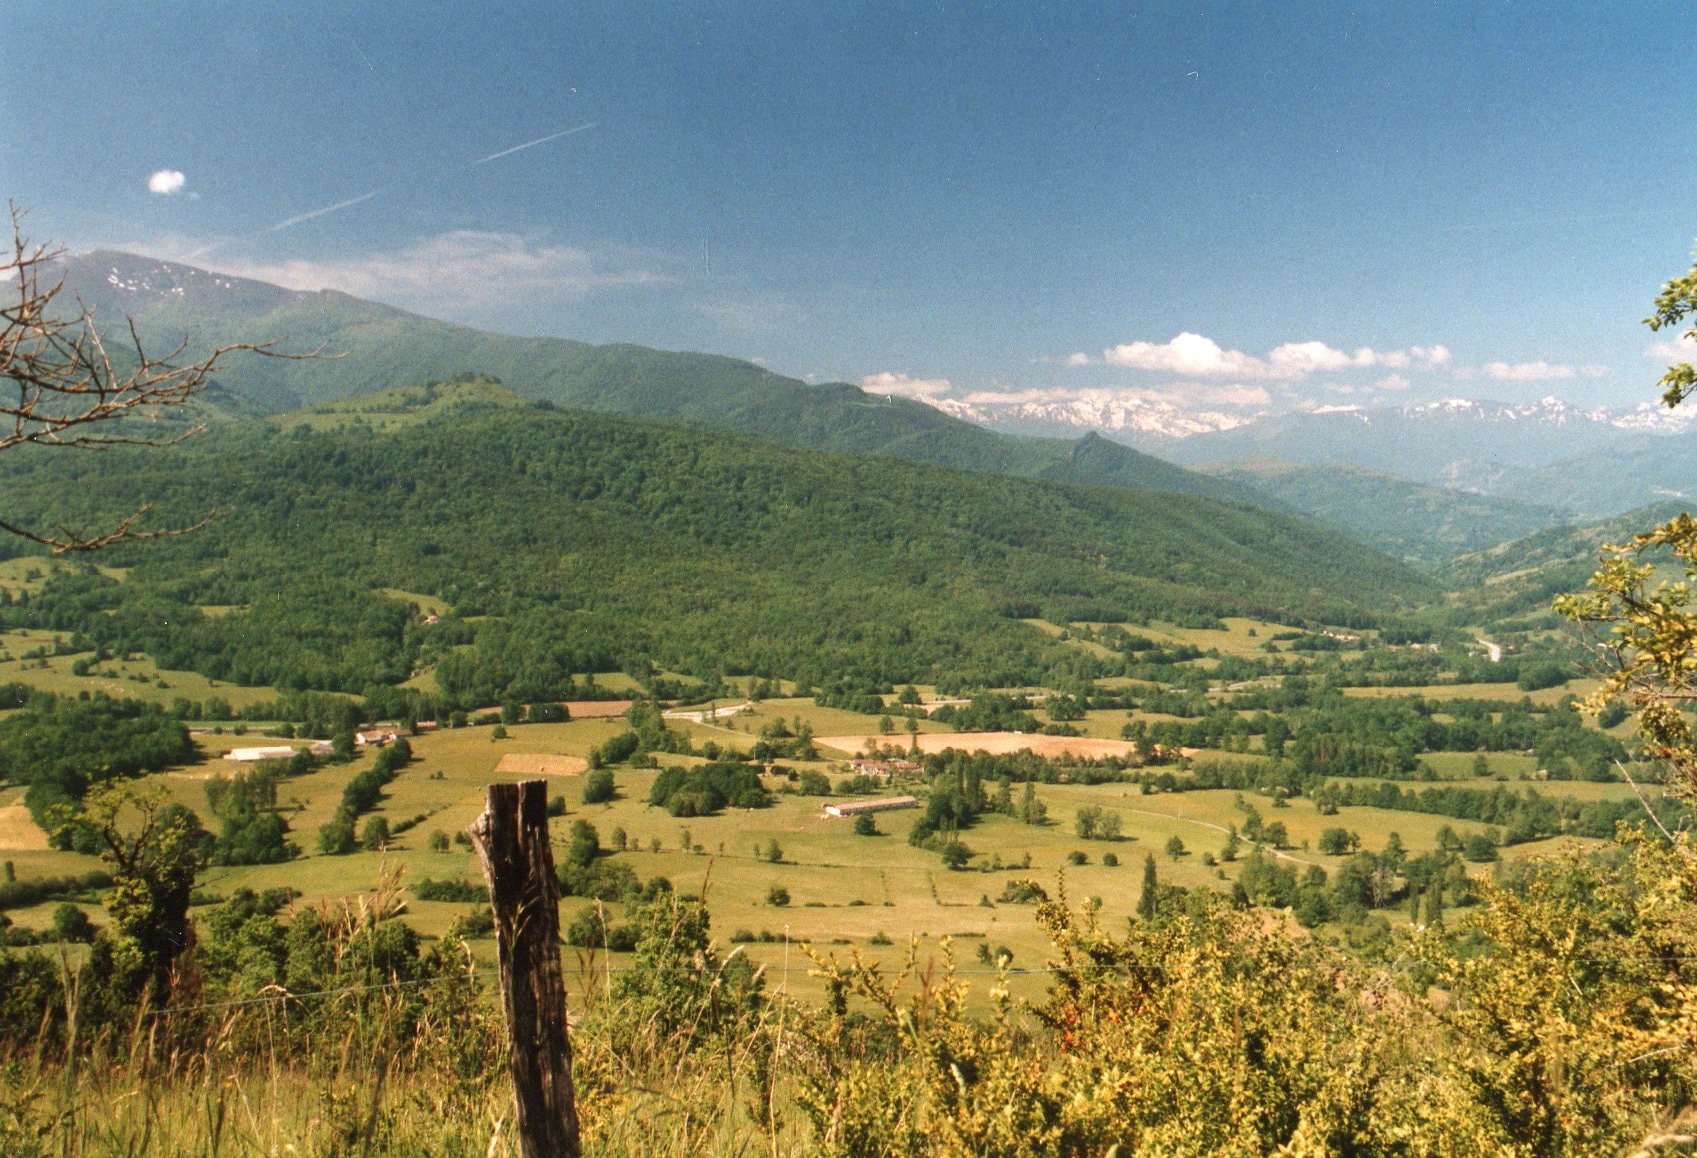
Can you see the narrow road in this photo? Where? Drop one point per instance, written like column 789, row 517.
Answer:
column 1223, row 829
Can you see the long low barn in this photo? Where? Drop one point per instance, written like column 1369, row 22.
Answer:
column 882, row 804
column 276, row 752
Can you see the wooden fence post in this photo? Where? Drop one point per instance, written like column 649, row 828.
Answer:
column 511, row 838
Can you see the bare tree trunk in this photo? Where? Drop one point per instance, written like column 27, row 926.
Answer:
column 512, row 840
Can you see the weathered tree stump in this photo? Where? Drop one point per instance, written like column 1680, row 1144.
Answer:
column 511, row 838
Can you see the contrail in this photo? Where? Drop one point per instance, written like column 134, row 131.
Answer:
column 321, row 212
column 533, row 144
column 352, row 201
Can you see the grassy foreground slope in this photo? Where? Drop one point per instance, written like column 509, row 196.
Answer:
column 599, row 543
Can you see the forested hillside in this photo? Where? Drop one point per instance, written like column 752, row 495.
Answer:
column 1420, row 524
column 1522, row 577
column 596, row 543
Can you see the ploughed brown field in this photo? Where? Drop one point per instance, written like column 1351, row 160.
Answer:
column 995, row 743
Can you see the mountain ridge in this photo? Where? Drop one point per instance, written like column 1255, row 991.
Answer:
column 388, row 347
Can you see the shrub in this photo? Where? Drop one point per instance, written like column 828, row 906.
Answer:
column 72, row 924
column 598, row 787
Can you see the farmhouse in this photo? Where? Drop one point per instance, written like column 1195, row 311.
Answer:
column 380, row 734
column 881, row 804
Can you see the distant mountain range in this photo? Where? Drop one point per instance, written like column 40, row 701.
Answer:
column 1410, row 480
column 381, row 347
column 1152, row 424
column 1585, row 463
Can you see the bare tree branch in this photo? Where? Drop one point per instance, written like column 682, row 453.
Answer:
column 59, row 387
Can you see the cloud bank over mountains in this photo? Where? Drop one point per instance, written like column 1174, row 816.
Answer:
column 1191, row 382
column 1194, row 355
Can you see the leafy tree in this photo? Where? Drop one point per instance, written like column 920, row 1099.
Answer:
column 583, row 845
column 1338, row 841
column 1480, row 848
column 708, row 788
column 1149, row 896
column 375, row 834
column 154, row 849
column 1651, row 623
column 778, row 896
column 598, row 786
column 70, row 923
column 865, row 824
column 1175, row 847
column 336, row 836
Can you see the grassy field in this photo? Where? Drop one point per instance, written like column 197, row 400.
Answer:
column 846, row 891
column 427, row 604
column 136, row 679
column 1579, row 688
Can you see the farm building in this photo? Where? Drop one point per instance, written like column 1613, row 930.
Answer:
column 883, row 768
column 249, row 755
column 881, row 804
column 707, row 715
column 276, row 752
column 380, row 734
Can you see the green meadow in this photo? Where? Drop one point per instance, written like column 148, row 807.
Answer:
column 848, row 894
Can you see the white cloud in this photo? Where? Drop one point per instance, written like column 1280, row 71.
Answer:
column 1079, row 360
column 897, row 383
column 166, row 182
column 1299, row 359
column 460, row 270
column 1392, row 382
column 1680, row 349
column 1183, row 395
column 1526, row 371
column 1186, row 354
column 1194, row 355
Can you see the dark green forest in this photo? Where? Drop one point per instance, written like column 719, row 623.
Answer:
column 568, row 543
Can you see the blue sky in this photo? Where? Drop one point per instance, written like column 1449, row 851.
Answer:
column 1254, row 206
